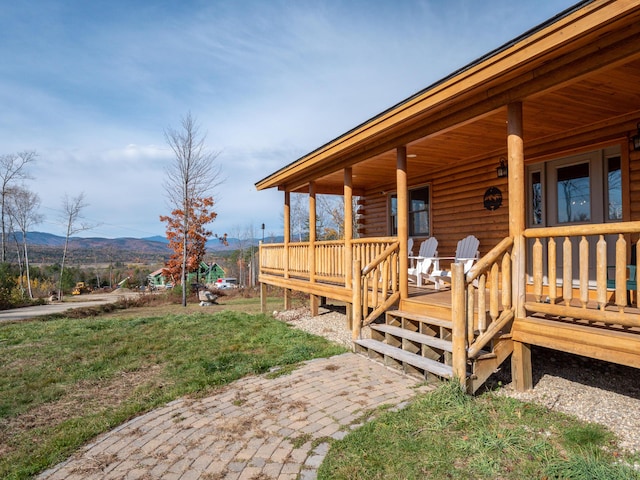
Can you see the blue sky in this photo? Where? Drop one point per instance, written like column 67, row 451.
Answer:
column 92, row 86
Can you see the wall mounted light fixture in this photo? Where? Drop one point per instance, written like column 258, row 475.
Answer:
column 502, row 169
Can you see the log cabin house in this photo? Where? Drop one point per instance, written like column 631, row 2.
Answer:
column 559, row 107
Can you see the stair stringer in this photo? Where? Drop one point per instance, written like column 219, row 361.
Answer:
column 486, row 365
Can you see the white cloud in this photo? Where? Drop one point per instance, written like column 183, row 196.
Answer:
column 92, row 85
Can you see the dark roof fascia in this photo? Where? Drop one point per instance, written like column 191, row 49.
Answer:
column 452, row 75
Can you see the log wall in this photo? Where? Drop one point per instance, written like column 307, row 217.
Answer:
column 457, row 194
column 457, row 200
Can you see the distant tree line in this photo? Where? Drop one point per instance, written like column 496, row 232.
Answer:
column 19, row 213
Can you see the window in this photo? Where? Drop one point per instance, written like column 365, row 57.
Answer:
column 614, row 188
column 419, row 212
column 536, row 198
column 582, row 188
column 574, row 193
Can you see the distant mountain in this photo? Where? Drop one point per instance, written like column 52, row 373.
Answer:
column 127, row 243
column 157, row 244
column 156, row 238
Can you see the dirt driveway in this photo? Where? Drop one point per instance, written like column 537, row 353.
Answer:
column 83, row 301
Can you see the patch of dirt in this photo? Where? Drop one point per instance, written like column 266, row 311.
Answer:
column 80, row 399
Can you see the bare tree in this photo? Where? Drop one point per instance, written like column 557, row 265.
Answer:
column 71, row 215
column 192, row 175
column 241, row 236
column 13, row 168
column 299, row 216
column 23, row 209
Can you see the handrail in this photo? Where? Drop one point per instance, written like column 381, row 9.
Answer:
column 381, row 258
column 505, row 317
column 476, row 325
column 365, row 240
column 489, row 259
column 587, row 229
column 376, row 285
column 381, row 309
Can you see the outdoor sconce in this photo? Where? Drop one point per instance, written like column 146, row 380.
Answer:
column 502, row 169
column 636, row 139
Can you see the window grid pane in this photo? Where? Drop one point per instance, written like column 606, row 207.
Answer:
column 574, row 194
column 614, row 188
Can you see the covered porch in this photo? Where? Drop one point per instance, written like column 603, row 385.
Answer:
column 560, row 106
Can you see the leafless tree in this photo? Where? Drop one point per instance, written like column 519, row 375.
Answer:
column 23, row 209
column 72, row 216
column 241, row 235
column 13, row 168
column 299, row 216
column 193, row 174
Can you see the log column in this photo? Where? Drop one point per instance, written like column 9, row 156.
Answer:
column 521, row 358
column 403, row 219
column 314, row 299
column 348, row 237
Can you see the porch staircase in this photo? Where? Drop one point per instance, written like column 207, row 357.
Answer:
column 420, row 345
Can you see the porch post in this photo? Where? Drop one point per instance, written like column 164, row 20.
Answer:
column 520, row 360
column 287, row 239
column 348, row 236
column 403, row 219
column 314, row 299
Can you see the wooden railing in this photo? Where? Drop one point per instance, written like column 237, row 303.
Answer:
column 330, row 261
column 570, row 289
column 292, row 259
column 481, row 304
column 376, row 285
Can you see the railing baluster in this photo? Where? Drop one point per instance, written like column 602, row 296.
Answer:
column 470, row 313
column 365, row 295
column 374, row 287
column 356, row 293
column 601, row 272
column 584, row 271
column 482, row 302
column 494, row 299
column 506, row 281
column 537, row 270
column 385, row 280
column 567, row 271
column 621, row 272
column 394, row 273
column 552, row 269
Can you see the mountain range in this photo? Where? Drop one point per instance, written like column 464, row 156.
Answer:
column 156, row 244
column 46, row 248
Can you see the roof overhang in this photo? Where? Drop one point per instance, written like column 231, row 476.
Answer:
column 593, row 42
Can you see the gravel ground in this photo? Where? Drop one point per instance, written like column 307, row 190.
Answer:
column 589, row 389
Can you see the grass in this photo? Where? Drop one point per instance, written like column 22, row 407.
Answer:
column 63, row 381
column 447, row 434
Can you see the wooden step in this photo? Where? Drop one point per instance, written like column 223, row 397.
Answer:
column 417, row 361
column 421, row 318
column 413, row 336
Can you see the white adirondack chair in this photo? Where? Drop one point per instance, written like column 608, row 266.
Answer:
column 426, row 260
column 466, row 253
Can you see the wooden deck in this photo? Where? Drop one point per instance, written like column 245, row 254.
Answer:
column 610, row 342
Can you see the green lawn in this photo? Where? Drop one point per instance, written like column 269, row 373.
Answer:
column 447, row 434
column 64, row 381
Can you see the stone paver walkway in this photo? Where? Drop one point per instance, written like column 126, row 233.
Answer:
column 256, row 428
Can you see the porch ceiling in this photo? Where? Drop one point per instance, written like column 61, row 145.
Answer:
column 577, row 79
column 609, row 96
